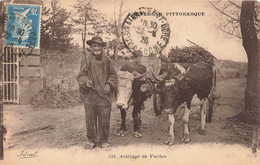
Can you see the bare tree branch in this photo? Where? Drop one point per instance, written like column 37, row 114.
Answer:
column 235, row 4
column 218, row 9
column 231, row 31
column 116, row 29
column 230, row 16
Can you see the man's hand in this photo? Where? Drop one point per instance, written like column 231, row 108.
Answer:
column 107, row 89
column 164, row 75
column 89, row 84
column 135, row 73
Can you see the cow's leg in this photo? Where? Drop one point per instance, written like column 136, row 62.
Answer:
column 185, row 119
column 203, row 110
column 170, row 140
column 137, row 121
column 122, row 131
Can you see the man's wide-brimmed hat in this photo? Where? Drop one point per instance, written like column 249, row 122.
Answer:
column 97, row 40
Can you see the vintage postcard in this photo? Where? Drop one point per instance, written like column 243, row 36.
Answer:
column 129, row 82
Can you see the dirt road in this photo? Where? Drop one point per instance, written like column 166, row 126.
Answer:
column 63, row 128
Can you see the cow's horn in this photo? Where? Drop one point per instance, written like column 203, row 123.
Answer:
column 180, row 78
column 139, row 76
column 156, row 77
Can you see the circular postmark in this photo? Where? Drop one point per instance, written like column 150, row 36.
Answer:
column 146, row 31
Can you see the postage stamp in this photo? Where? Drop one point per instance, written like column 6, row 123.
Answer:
column 146, row 31
column 22, row 26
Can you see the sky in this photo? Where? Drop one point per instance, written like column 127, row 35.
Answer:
column 202, row 30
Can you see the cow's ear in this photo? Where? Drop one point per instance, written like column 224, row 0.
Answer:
column 186, row 83
column 187, row 80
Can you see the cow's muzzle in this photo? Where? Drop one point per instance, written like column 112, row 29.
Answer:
column 168, row 111
column 122, row 106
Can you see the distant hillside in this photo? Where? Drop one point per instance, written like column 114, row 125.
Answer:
column 227, row 69
column 231, row 69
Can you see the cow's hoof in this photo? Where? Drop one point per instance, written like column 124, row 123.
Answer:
column 121, row 133
column 186, row 139
column 137, row 134
column 202, row 132
column 169, row 142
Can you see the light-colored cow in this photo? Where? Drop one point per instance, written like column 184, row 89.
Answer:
column 130, row 79
column 124, row 87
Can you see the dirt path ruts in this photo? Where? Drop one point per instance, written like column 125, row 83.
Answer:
column 63, row 128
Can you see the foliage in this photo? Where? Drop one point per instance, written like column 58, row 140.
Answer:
column 89, row 21
column 117, row 26
column 45, row 29
column 191, row 54
column 56, row 29
column 86, row 18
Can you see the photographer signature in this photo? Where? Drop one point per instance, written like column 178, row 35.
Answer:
column 25, row 154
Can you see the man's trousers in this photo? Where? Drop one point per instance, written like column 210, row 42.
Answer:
column 97, row 122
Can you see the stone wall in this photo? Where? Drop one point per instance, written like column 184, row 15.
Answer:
column 31, row 76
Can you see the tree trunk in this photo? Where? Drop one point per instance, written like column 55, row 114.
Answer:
column 252, row 48
column 84, row 35
column 251, row 44
column 118, row 35
column 53, row 45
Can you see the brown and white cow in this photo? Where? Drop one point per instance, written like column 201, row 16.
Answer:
column 179, row 86
column 130, row 79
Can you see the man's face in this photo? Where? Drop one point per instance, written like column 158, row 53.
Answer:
column 96, row 48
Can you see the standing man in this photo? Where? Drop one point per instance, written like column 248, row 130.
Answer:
column 97, row 79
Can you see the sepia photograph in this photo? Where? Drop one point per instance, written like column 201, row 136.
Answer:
column 129, row 82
